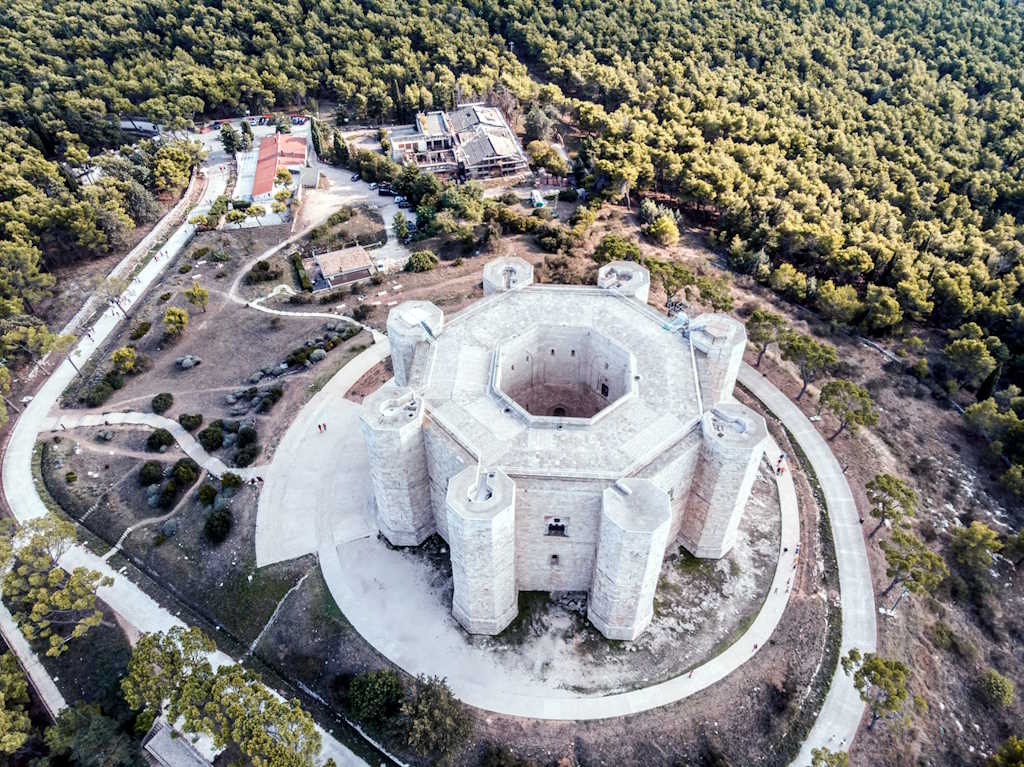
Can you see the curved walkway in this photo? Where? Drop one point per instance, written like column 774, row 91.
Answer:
column 188, row 443
column 840, row 715
column 124, row 597
column 323, row 503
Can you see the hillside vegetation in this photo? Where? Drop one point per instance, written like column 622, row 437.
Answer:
column 864, row 158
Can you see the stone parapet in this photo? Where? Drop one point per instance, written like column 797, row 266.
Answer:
column 507, row 273
column 722, row 340
column 628, row 278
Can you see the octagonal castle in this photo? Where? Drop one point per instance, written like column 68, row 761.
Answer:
column 561, row 438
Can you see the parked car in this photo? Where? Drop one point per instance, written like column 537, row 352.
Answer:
column 386, row 192
column 373, row 185
column 399, row 199
column 405, row 204
column 355, row 177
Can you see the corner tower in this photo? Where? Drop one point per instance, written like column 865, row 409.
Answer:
column 635, row 520
column 481, row 506
column 410, row 324
column 629, row 278
column 723, row 340
column 392, row 426
column 734, row 441
column 507, row 273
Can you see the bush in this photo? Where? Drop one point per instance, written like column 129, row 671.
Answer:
column 140, row 330
column 270, row 398
column 150, row 473
column 115, row 379
column 375, row 696
column 70, row 477
column 211, row 438
column 246, row 455
column 168, row 494
column 421, row 261
column 568, row 195
column 247, row 436
column 262, row 272
column 361, row 312
column 158, row 439
column 438, row 722
column 229, row 480
column 162, row 402
column 184, row 268
column 200, row 253
column 300, row 271
column 206, row 493
column 218, row 524
column 166, row 296
column 185, row 472
column 190, row 421
column 98, row 393
column 997, row 690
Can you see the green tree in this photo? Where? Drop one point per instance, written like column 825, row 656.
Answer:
column 197, row 295
column 969, row 359
column 764, row 329
column 401, row 225
column 884, row 311
column 175, row 320
column 664, row 230
column 85, row 736
column 997, row 690
column 49, row 604
column 788, row 281
column 881, row 682
column 973, row 548
column 15, row 725
column 164, row 671
column 537, row 124
column 615, row 248
column 375, row 696
column 849, row 403
column 421, row 261
column 811, row 356
column 838, row 303
column 910, row 562
column 822, row 757
column 229, row 138
column 438, row 723
column 892, row 500
column 1010, row 754
column 124, row 359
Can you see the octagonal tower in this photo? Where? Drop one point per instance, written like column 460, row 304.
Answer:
column 635, row 520
column 409, row 324
column 507, row 273
column 723, row 341
column 392, row 426
column 734, row 441
column 481, row 507
column 629, row 278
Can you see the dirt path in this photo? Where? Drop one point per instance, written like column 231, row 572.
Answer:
column 149, row 521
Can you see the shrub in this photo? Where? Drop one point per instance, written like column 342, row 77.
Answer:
column 262, row 272
column 168, row 494
column 184, row 268
column 438, row 722
column 375, row 696
column 175, row 321
column 298, row 356
column 140, row 330
column 185, row 472
column 247, row 436
column 997, row 689
column 190, row 421
column 421, row 261
column 361, row 312
column 246, row 455
column 300, row 271
column 211, row 438
column 158, row 439
column 568, row 195
column 114, row 378
column 616, row 248
column 150, row 473
column 229, row 480
column 270, row 398
column 70, row 477
column 166, row 296
column 98, row 393
column 162, row 402
column 206, row 494
column 218, row 524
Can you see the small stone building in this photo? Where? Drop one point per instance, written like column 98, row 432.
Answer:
column 561, row 438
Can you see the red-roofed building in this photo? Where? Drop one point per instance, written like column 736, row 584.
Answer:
column 278, row 151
